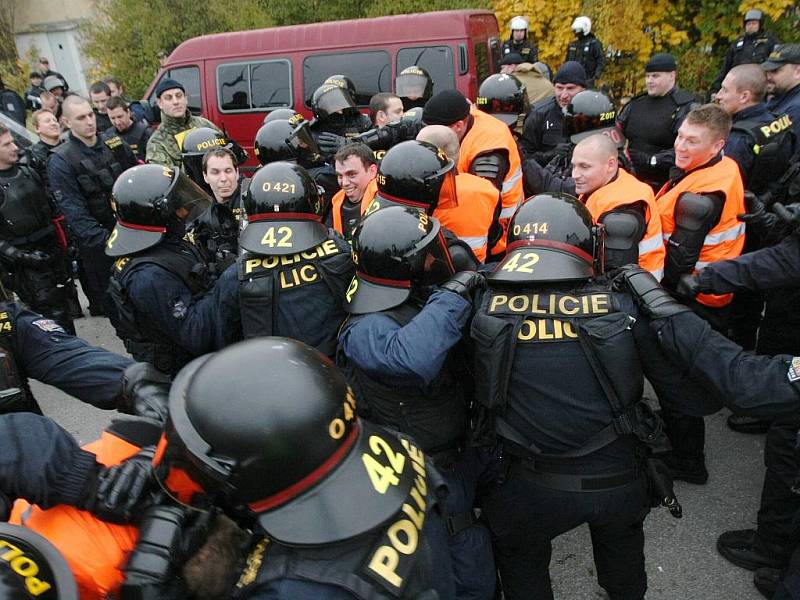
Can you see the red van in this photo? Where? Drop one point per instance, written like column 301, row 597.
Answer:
column 234, row 79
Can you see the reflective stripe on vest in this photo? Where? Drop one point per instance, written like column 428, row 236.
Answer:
column 473, row 217
column 625, row 190
column 486, row 134
column 726, row 238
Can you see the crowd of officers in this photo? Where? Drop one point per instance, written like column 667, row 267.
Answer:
column 349, row 375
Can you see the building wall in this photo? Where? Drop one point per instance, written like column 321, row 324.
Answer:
column 52, row 27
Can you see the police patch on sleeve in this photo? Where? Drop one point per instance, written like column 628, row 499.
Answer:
column 794, row 369
column 48, row 325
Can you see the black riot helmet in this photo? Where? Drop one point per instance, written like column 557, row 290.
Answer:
column 286, row 114
column 343, row 81
column 284, row 211
column 145, row 199
column 589, row 113
column 270, row 143
column 329, row 99
column 417, row 174
column 504, row 97
column 33, row 567
column 755, row 15
column 194, row 146
column 414, row 86
column 285, row 446
column 551, row 237
column 395, row 249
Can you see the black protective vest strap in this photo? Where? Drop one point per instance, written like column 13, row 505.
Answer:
column 145, row 343
column 95, row 181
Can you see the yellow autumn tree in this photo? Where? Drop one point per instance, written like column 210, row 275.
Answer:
column 697, row 32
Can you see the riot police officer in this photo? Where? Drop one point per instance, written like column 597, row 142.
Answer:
column 651, row 119
column 32, row 254
column 544, row 135
column 335, row 113
column 399, row 351
column 751, row 48
column 586, row 49
column 573, row 447
column 414, row 87
column 518, row 41
column 81, row 174
column 157, row 274
column 291, row 277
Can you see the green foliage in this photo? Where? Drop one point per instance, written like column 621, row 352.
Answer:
column 125, row 36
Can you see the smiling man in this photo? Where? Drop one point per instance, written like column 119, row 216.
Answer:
column 698, row 209
column 164, row 146
column 621, row 202
column 355, row 171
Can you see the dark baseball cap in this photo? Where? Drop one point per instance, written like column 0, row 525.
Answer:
column 783, row 54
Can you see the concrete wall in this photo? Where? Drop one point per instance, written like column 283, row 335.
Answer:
column 52, row 27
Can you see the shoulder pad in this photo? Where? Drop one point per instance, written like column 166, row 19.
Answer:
column 682, row 97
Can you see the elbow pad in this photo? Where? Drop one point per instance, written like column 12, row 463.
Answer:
column 625, row 228
column 694, row 212
column 492, row 166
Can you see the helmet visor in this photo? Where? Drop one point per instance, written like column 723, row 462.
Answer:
column 411, row 86
column 332, row 101
column 303, row 144
column 433, row 264
column 190, row 197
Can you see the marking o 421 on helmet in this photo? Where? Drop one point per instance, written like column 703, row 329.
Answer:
column 283, row 187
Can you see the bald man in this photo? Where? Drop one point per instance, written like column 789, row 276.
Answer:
column 81, row 172
column 621, row 202
column 475, row 219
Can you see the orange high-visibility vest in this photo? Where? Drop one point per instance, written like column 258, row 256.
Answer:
column 623, row 190
column 474, row 215
column 96, row 551
column 486, row 134
column 726, row 239
column 339, row 198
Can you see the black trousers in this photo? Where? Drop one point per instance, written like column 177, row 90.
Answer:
column 97, row 271
column 687, row 433
column 524, row 517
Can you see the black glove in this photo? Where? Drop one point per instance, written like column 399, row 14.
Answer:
column 787, row 212
column 145, row 392
column 563, row 150
column 464, row 284
column 757, row 215
column 639, row 158
column 329, row 143
column 118, row 494
column 652, row 299
column 688, row 285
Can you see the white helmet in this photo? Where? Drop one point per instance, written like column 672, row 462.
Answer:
column 519, row 23
column 582, row 25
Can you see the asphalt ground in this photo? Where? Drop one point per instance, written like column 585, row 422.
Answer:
column 682, row 561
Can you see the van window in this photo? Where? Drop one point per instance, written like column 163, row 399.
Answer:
column 370, row 72
column 495, row 48
column 481, row 61
column 254, row 86
column 190, row 78
column 436, row 60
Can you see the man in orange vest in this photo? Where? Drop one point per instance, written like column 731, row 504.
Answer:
column 478, row 199
column 488, row 150
column 355, row 171
column 699, row 207
column 625, row 205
